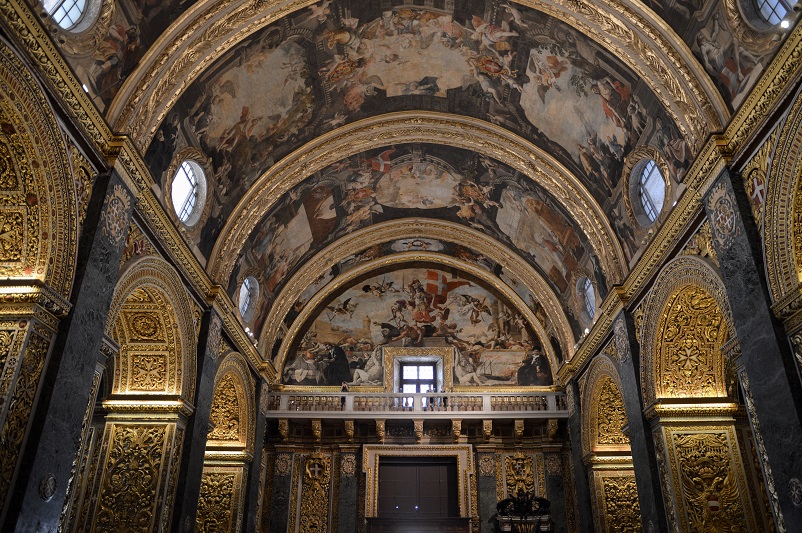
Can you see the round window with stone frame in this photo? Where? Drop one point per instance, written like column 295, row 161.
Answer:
column 188, row 192
column 73, row 16
column 647, row 191
column 248, row 297
column 767, row 17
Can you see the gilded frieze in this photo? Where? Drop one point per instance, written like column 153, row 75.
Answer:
column 132, row 471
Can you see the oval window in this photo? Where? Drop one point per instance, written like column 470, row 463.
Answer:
column 66, row 13
column 651, row 190
column 248, row 295
column 188, row 192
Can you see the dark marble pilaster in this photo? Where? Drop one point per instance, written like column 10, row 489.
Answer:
column 253, row 489
column 194, row 447
column 582, row 501
column 55, row 437
column 486, row 495
column 348, row 498
column 644, row 460
column 555, row 489
column 766, row 367
column 282, row 485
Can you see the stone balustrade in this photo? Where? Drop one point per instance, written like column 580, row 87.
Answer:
column 435, row 405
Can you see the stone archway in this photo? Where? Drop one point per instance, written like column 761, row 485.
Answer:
column 606, row 449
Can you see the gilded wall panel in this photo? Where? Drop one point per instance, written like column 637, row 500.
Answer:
column 688, row 359
column 130, row 489
column 20, row 405
column 225, row 417
column 221, row 499
column 616, row 508
column 709, row 480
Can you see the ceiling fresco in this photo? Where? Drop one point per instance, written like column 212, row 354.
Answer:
column 409, row 181
column 327, row 65
column 494, row 345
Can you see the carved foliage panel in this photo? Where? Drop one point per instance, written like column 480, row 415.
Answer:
column 603, row 412
column 520, row 471
column 132, row 473
column 310, row 512
column 225, row 416
column 708, row 477
column 611, row 416
column 19, row 404
column 690, row 333
column 220, row 503
column 615, row 506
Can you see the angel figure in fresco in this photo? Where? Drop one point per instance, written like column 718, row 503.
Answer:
column 492, row 37
column 474, row 307
column 345, row 308
column 516, row 15
column 545, row 73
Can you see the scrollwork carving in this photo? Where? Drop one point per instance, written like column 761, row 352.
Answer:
column 225, row 411
column 621, row 506
column 128, row 492
column 216, row 503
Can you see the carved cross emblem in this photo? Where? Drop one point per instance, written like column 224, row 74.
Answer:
column 758, row 189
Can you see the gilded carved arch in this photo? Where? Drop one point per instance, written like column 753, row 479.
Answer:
column 408, row 127
column 630, row 31
column 233, row 415
column 603, row 413
column 397, row 260
column 783, row 241
column 686, row 322
column 39, row 214
column 151, row 318
column 360, row 240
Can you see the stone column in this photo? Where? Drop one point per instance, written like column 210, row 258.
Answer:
column 194, row 446
column 348, row 499
column 282, row 488
column 644, row 460
column 773, row 399
column 255, row 483
column 55, row 437
column 582, row 501
column 555, row 490
column 486, row 487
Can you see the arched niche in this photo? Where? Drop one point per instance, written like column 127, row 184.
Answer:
column 603, row 413
column 229, row 448
column 783, row 181
column 39, row 215
column 151, row 319
column 686, row 321
column 606, row 449
column 233, row 410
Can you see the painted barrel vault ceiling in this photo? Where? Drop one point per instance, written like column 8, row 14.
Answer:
column 352, row 147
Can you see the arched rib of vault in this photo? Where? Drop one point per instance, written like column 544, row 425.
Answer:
column 626, row 29
column 419, row 127
column 404, row 258
column 360, row 240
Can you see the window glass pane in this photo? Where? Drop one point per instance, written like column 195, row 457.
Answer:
column 185, row 191
column 652, row 190
column 244, row 296
column 426, row 372
column 590, row 298
column 65, row 13
column 410, row 372
column 773, row 11
column 409, row 388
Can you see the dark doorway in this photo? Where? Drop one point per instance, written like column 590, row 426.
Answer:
column 418, row 487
